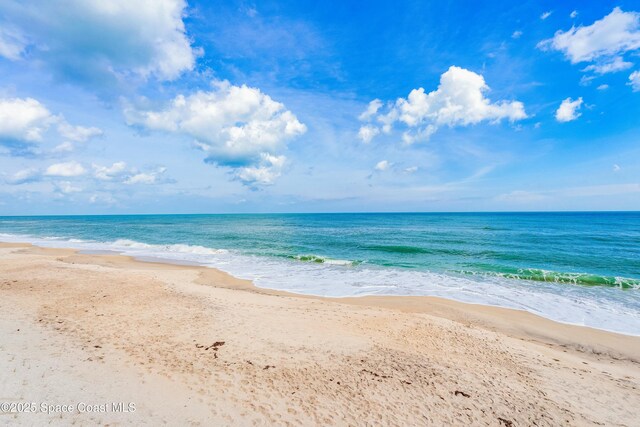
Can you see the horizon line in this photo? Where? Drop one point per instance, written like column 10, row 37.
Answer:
column 328, row 213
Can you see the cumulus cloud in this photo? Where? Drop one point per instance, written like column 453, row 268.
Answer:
column 573, row 14
column 382, row 165
column 545, row 15
column 516, row 34
column 24, row 121
column 141, row 178
column 634, row 81
column 236, row 126
column 568, row 110
column 146, row 177
column 603, row 87
column 269, row 168
column 367, row 133
column 107, row 173
column 459, row 100
column 91, row 39
column 67, row 169
column 602, row 43
column 120, row 172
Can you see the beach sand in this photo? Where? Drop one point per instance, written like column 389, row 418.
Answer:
column 194, row 346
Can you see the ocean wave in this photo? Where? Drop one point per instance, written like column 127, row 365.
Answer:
column 398, row 249
column 175, row 248
column 126, row 246
column 447, row 251
column 323, row 260
column 540, row 275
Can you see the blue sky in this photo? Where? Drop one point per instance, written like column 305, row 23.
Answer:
column 174, row 107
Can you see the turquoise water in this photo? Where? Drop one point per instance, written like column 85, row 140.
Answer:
column 581, row 268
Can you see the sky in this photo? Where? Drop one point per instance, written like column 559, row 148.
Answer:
column 169, row 106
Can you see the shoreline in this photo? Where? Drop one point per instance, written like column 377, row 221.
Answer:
column 150, row 317
column 521, row 323
column 553, row 315
column 482, row 311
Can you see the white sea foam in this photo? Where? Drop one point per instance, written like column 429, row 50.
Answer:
column 129, row 245
column 599, row 307
column 324, row 260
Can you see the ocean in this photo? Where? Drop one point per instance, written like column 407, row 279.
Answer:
column 580, row 268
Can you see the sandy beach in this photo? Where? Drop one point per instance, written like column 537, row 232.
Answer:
column 187, row 345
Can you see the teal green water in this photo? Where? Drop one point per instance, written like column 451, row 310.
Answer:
column 532, row 261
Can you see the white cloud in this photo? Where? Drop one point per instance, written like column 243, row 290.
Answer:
column 96, row 38
column 616, row 168
column 603, row 87
column 67, row 169
column 65, row 147
column 382, row 165
column 420, row 135
column 411, row 169
column 516, row 34
column 459, row 100
column 23, row 119
column 586, row 80
column 237, row 126
column 141, row 178
column 545, row 15
column 568, row 110
column 119, row 172
column 634, row 81
column 103, row 198
column 573, row 14
column 78, row 133
column 265, row 173
column 12, row 43
column 371, row 110
column 604, row 42
column 616, row 64
column 66, row 187
column 146, row 178
column 367, row 133
column 107, row 173
column 23, row 176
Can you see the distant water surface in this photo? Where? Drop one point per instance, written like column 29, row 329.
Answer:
column 580, row 268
